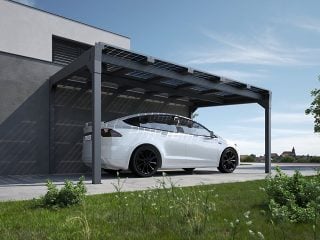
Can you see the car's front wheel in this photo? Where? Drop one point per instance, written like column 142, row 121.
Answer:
column 228, row 161
column 145, row 161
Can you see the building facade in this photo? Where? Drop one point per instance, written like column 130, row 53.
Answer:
column 34, row 45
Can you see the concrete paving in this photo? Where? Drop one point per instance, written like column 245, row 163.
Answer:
column 28, row 187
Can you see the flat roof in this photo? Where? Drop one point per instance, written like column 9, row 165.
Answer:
column 130, row 73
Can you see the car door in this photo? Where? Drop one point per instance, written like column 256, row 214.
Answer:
column 201, row 147
column 173, row 144
column 163, row 135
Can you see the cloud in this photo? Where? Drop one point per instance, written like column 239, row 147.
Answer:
column 287, row 118
column 240, row 75
column 304, row 143
column 250, row 139
column 294, row 106
column 27, row 2
column 308, row 24
column 258, row 131
column 263, row 49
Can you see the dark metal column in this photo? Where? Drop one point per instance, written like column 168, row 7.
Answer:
column 52, row 90
column 96, row 115
column 267, row 114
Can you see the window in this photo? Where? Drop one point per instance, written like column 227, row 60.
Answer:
column 197, row 129
column 64, row 51
column 159, row 122
column 133, row 121
column 191, row 127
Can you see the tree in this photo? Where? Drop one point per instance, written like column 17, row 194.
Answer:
column 314, row 109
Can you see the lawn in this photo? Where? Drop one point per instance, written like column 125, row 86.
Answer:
column 202, row 212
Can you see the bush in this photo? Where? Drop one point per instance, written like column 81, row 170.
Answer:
column 69, row 194
column 287, row 159
column 293, row 198
column 250, row 158
column 315, row 159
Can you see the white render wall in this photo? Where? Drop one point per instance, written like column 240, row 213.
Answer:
column 28, row 32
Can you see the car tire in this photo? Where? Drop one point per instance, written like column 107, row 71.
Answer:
column 189, row 170
column 145, row 161
column 228, row 161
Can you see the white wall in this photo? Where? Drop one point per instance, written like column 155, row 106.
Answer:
column 28, row 32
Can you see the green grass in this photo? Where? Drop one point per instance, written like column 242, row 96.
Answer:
column 202, row 212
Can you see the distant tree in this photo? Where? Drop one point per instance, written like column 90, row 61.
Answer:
column 287, row 159
column 314, row 108
column 250, row 158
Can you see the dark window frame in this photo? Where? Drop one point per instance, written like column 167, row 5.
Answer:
column 173, row 116
column 151, row 115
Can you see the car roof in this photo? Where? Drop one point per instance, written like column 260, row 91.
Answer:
column 150, row 113
column 139, row 115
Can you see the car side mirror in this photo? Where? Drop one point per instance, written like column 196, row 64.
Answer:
column 212, row 135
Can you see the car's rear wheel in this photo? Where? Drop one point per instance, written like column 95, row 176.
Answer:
column 228, row 161
column 145, row 161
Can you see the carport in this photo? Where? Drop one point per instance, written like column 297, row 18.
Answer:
column 119, row 72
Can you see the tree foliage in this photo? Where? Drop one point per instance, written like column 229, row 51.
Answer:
column 314, row 109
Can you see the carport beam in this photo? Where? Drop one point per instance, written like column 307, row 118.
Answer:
column 267, row 114
column 96, row 115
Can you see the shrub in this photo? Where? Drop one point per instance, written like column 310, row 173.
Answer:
column 293, row 198
column 315, row 159
column 70, row 194
column 52, row 195
column 249, row 158
column 287, row 159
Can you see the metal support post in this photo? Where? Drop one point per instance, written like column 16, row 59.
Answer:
column 267, row 116
column 96, row 115
column 52, row 92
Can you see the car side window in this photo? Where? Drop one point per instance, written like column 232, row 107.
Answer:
column 190, row 127
column 184, row 125
column 133, row 121
column 169, row 123
column 158, row 122
column 199, row 130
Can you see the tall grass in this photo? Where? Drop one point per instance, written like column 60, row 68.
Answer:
column 166, row 211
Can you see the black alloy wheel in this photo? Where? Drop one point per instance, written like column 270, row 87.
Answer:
column 145, row 161
column 228, row 161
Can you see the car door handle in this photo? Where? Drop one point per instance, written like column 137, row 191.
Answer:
column 207, row 138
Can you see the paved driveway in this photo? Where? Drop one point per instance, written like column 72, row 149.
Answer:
column 28, row 187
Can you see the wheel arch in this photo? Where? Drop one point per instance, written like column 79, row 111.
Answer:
column 221, row 168
column 146, row 145
column 230, row 147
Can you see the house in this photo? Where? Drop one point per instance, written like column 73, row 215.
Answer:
column 291, row 153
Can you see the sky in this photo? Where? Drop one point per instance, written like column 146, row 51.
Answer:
column 271, row 44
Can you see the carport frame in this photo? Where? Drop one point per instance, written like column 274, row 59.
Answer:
column 90, row 65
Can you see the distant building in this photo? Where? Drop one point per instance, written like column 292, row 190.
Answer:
column 291, row 153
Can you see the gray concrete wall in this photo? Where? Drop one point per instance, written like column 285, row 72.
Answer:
column 24, row 114
column 24, row 117
column 28, row 31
